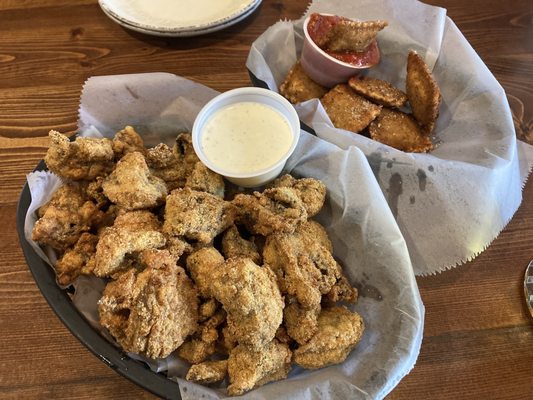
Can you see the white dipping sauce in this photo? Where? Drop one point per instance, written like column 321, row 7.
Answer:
column 246, row 137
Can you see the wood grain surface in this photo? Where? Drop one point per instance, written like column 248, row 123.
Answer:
column 478, row 339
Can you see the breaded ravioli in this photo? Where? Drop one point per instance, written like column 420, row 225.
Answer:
column 348, row 35
column 298, row 87
column 423, row 92
column 399, row 130
column 378, row 91
column 347, row 110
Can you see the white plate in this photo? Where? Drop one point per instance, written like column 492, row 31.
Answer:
column 177, row 18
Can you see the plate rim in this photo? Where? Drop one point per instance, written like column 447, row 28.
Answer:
column 189, row 30
column 60, row 302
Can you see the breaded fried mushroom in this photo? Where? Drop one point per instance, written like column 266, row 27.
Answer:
column 202, row 265
column 252, row 300
column 278, row 209
column 184, row 151
column 234, row 245
column 341, row 291
column 203, row 179
column 127, row 141
column 248, row 369
column 76, row 260
column 339, row 331
column 298, row 87
column 131, row 185
column 301, row 323
column 82, row 159
column 197, row 215
column 65, row 217
column 304, row 268
column 152, row 312
column 311, row 191
column 165, row 164
column 347, row 110
column 131, row 233
column 202, row 344
column 423, row 92
column 208, row 372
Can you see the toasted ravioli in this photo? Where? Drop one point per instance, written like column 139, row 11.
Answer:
column 422, row 92
column 347, row 110
column 354, row 35
column 378, row 91
column 399, row 130
column 298, row 87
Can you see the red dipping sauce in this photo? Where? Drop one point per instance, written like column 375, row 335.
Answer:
column 318, row 27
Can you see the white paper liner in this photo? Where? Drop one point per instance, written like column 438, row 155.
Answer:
column 366, row 239
column 449, row 204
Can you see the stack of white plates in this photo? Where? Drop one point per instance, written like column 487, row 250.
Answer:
column 177, row 17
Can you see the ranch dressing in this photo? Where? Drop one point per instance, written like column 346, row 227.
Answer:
column 246, row 137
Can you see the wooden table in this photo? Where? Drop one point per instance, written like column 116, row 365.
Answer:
column 478, row 339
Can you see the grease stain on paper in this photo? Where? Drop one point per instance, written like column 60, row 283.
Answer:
column 370, row 291
column 394, row 192
column 422, row 179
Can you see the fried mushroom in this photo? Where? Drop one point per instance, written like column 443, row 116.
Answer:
column 252, row 300
column 197, row 216
column 208, row 372
column 278, row 209
column 77, row 260
column 65, row 217
column 234, row 245
column 81, row 159
column 127, row 141
column 304, row 268
column 131, row 233
column 248, row 369
column 151, row 312
column 339, row 331
column 203, row 179
column 311, row 191
column 131, row 185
